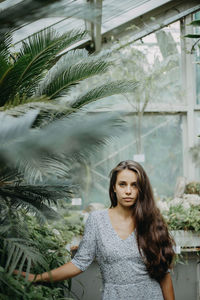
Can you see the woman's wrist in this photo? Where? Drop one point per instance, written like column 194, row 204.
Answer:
column 44, row 277
column 38, row 278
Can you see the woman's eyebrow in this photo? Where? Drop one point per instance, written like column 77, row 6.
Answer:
column 123, row 181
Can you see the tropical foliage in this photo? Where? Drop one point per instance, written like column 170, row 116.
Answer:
column 179, row 218
column 43, row 149
column 45, row 243
column 38, row 73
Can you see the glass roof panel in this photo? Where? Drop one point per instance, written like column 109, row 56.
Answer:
column 68, row 14
column 8, row 3
column 114, row 13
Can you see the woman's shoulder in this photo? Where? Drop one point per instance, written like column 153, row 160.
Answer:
column 98, row 213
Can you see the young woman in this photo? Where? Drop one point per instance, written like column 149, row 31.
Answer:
column 130, row 242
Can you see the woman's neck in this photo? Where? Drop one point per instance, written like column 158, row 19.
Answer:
column 123, row 212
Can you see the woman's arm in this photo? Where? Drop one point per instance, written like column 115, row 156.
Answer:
column 66, row 271
column 82, row 259
column 167, row 287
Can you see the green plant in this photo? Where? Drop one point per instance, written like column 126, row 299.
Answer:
column 38, row 73
column 179, row 218
column 193, row 188
column 48, row 245
column 37, row 164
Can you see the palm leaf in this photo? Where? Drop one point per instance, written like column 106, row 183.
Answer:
column 4, row 66
column 36, row 198
column 37, row 55
column 42, row 49
column 48, row 111
column 65, row 140
column 68, row 73
column 11, row 284
column 65, row 62
column 5, row 41
column 39, row 170
column 105, row 90
column 21, row 252
column 14, row 128
column 8, row 81
column 79, row 132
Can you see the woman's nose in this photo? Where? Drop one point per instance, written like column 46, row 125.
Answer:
column 128, row 190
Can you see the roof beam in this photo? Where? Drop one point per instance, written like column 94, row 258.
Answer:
column 149, row 22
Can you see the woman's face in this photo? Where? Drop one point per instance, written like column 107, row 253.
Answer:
column 126, row 188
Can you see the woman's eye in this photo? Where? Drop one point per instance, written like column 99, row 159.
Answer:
column 122, row 184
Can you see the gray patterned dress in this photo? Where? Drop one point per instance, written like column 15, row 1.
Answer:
column 123, row 271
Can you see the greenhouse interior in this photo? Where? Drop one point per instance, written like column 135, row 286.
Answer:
column 92, row 91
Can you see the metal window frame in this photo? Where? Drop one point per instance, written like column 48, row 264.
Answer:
column 189, row 109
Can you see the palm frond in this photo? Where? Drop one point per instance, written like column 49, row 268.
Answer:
column 14, row 128
column 42, row 49
column 14, row 287
column 5, row 42
column 65, row 62
column 36, row 199
column 66, row 74
column 35, row 58
column 72, row 135
column 4, row 66
column 105, row 90
column 8, row 81
column 20, row 253
column 48, row 111
column 18, row 100
column 65, row 140
column 36, row 171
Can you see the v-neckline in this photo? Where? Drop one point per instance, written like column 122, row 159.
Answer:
column 115, row 232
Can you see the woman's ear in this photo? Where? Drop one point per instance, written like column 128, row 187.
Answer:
column 114, row 190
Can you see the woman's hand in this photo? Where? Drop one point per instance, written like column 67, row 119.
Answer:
column 64, row 272
column 31, row 277
column 167, row 287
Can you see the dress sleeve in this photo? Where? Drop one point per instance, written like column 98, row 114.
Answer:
column 87, row 248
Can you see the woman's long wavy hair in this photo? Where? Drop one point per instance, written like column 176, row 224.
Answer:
column 154, row 242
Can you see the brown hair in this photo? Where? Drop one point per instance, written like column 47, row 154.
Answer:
column 154, row 242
